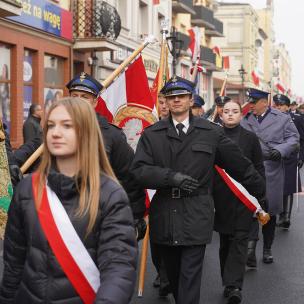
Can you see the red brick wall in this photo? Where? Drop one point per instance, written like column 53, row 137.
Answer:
column 20, row 38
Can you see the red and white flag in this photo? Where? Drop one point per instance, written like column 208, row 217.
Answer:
column 255, row 78
column 240, row 192
column 280, row 88
column 155, row 2
column 195, row 43
column 131, row 88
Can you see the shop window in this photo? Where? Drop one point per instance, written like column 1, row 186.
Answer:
column 27, row 82
column 5, row 76
column 53, row 79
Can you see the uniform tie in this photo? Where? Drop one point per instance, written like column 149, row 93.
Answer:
column 181, row 133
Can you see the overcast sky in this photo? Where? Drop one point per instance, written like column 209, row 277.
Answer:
column 289, row 28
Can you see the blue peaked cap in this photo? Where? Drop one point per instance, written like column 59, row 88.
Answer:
column 86, row 83
column 178, row 86
column 255, row 94
column 198, row 101
column 221, row 100
column 281, row 99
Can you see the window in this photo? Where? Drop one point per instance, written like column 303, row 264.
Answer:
column 27, row 82
column 5, row 76
column 235, row 33
column 53, row 79
column 143, row 19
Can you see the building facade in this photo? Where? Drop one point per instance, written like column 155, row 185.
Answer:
column 243, row 42
column 35, row 57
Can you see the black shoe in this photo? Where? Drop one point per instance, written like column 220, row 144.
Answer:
column 235, row 296
column 164, row 290
column 251, row 257
column 156, row 282
column 227, row 291
column 267, row 256
column 285, row 225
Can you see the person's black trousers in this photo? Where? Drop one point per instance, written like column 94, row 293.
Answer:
column 184, row 269
column 159, row 264
column 233, row 257
column 269, row 232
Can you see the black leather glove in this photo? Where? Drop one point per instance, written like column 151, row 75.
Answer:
column 16, row 175
column 141, row 227
column 185, row 182
column 275, row 155
column 300, row 163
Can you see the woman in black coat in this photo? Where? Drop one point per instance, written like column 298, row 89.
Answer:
column 75, row 182
column 232, row 219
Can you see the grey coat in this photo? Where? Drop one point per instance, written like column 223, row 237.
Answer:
column 276, row 131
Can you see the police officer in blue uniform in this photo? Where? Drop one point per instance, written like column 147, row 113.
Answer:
column 279, row 138
column 198, row 103
column 120, row 154
column 176, row 156
column 291, row 163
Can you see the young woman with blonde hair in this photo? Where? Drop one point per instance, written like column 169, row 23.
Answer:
column 70, row 235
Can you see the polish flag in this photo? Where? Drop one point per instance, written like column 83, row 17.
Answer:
column 155, row 2
column 195, row 43
column 280, row 88
column 255, row 78
column 129, row 89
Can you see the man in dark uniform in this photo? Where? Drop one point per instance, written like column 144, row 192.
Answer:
column 278, row 137
column 214, row 114
column 197, row 108
column 292, row 163
column 120, row 154
column 176, row 156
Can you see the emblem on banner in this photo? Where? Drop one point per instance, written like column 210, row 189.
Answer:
column 133, row 120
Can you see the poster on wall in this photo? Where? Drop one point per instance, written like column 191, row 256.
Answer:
column 50, row 95
column 5, row 58
column 27, row 77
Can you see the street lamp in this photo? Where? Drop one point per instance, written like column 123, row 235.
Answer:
column 176, row 47
column 242, row 74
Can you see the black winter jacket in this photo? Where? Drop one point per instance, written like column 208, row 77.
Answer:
column 230, row 213
column 32, row 128
column 31, row 272
column 160, row 153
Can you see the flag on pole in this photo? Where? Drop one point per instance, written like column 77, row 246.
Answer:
column 129, row 89
column 255, row 78
column 195, row 42
column 280, row 88
column 155, row 2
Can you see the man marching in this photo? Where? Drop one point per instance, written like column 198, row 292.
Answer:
column 292, row 163
column 279, row 138
column 120, row 154
column 176, row 157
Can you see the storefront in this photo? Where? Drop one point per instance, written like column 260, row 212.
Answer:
column 35, row 60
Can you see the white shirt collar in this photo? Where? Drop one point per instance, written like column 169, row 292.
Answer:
column 184, row 122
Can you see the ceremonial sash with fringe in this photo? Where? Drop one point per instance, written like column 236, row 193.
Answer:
column 66, row 245
column 240, row 192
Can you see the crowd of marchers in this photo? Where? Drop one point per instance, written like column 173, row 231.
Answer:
column 76, row 217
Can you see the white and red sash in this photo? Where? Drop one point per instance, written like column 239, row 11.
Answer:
column 67, row 247
column 240, row 192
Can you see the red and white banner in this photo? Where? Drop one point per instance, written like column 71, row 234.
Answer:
column 280, row 88
column 129, row 89
column 66, row 245
column 240, row 192
column 255, row 78
column 195, row 42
